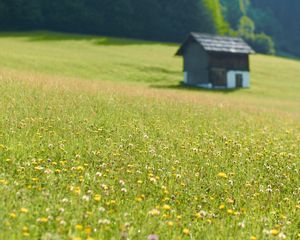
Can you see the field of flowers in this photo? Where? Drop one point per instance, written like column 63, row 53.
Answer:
column 84, row 159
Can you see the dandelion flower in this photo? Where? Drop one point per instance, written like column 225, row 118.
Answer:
column 88, row 230
column 166, row 207
column 4, row 182
column 97, row 197
column 24, row 210
column 274, row 232
column 170, row 224
column 230, row 211
column 78, row 227
column 222, row 175
column 42, row 220
column 139, row 199
column 186, row 231
column 222, row 206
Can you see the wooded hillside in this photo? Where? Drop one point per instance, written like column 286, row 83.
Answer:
column 260, row 22
column 148, row 19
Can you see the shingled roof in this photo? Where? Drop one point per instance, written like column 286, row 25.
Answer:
column 214, row 43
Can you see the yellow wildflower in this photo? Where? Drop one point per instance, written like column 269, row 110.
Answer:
column 88, row 230
column 80, row 168
column 222, row 175
column 97, row 197
column 253, row 238
column 12, row 215
column 77, row 190
column 78, row 227
column 139, row 199
column 170, row 224
column 222, row 206
column 24, row 210
column 42, row 220
column 4, row 182
column 230, row 211
column 166, row 207
column 186, row 231
column 274, row 232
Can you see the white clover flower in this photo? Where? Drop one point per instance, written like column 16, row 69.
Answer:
column 104, row 221
column 242, row 224
column 85, row 198
column 122, row 182
column 281, row 235
column 101, row 209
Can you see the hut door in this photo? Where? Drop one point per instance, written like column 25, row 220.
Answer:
column 239, row 80
column 218, row 77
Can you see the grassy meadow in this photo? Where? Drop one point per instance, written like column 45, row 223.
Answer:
column 99, row 141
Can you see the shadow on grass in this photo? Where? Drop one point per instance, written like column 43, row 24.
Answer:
column 44, row 36
column 184, row 87
column 152, row 69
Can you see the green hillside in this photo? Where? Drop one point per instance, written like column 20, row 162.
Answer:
column 99, row 141
column 148, row 63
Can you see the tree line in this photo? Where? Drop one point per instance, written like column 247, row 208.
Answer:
column 166, row 20
column 260, row 22
column 269, row 25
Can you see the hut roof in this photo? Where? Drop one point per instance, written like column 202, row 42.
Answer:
column 215, row 43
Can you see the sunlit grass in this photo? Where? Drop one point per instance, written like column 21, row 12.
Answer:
column 86, row 155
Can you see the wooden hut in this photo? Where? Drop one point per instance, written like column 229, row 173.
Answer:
column 212, row 61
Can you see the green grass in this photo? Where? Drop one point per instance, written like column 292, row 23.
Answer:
column 97, row 141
